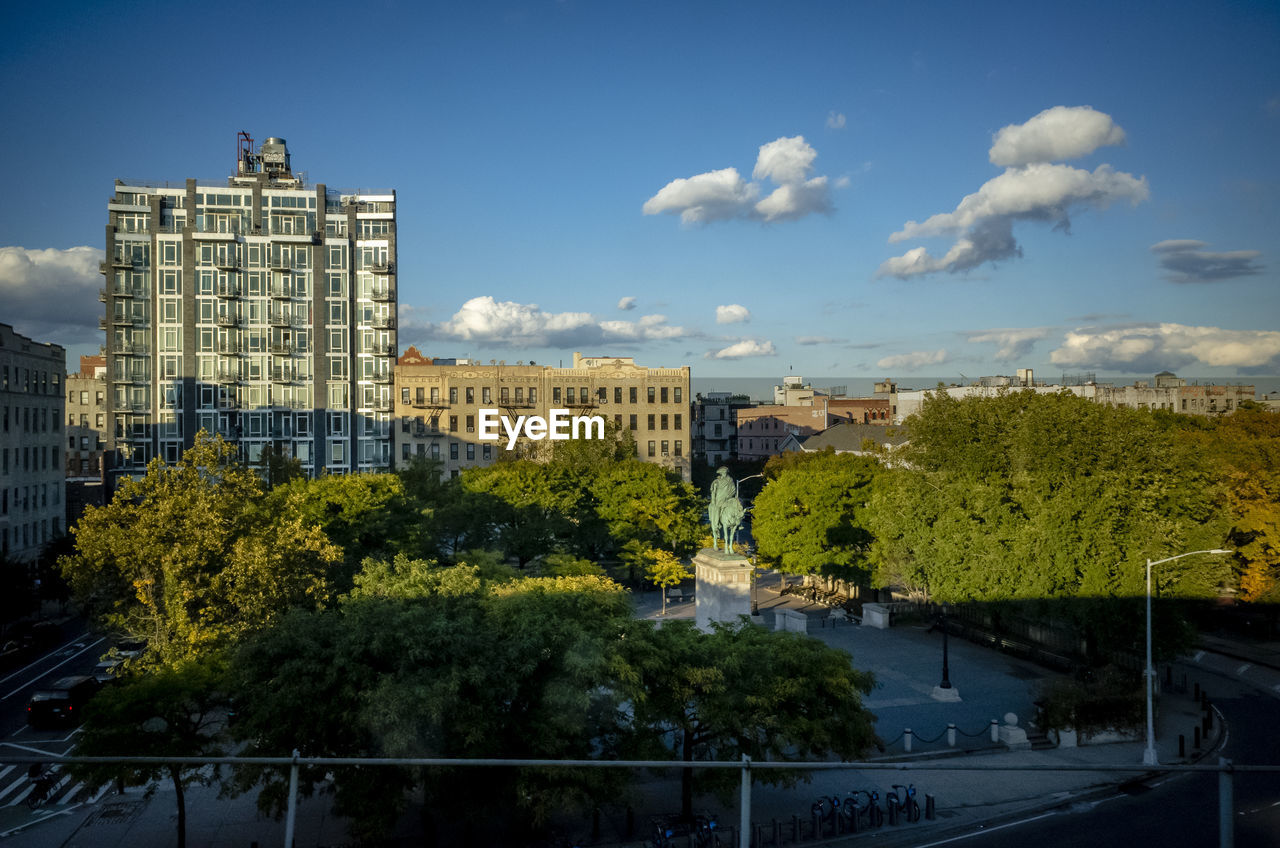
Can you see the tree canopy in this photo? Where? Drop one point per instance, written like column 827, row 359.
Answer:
column 812, row 517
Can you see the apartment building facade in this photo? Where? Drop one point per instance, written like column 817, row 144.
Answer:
column 438, row 404
column 86, row 435
column 32, row 497
column 260, row 308
column 715, row 427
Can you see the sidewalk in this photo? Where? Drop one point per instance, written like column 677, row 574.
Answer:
column 907, row 664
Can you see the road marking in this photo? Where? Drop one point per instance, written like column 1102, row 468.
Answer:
column 1242, row 669
column 984, row 831
column 6, row 678
column 1199, row 655
column 29, row 749
column 38, row 676
column 102, row 790
column 6, row 770
column 11, row 787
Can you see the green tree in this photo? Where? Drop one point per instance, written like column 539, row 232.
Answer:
column 365, row 515
column 176, row 711
column 639, row 501
column 278, row 467
column 744, row 690
column 1243, row 450
column 813, row 516
column 420, row 660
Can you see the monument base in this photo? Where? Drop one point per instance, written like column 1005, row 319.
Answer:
column 723, row 588
column 940, row 694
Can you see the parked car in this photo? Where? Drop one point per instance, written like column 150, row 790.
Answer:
column 107, row 671
column 62, row 703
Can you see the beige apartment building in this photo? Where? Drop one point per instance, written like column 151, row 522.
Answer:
column 87, row 412
column 438, row 405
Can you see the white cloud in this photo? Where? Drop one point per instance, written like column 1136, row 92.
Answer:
column 912, row 361
column 742, row 349
column 51, row 295
column 732, row 313
column 816, row 340
column 1037, row 192
column 487, row 321
column 1063, row 132
column 1031, row 189
column 724, row 195
column 785, row 161
column 626, row 304
column 1157, row 347
column 835, row 120
column 1187, row 263
column 1013, row 343
column 715, row 196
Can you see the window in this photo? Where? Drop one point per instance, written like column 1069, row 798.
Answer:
column 404, row 394
column 634, row 393
column 435, row 394
column 664, row 394
column 653, row 447
column 679, row 395
column 453, row 450
column 471, row 423
column 617, row 420
column 653, row 392
column 679, row 421
column 453, row 423
column 631, row 422
column 471, row 394
column 652, row 419
column 486, row 395
column 666, row 451
column 519, row 394
column 679, row 447
column 435, row 450
column 486, row 452
column 453, row 394
column 504, row 395
column 568, row 395
column 664, row 422
column 617, row 394
column 533, row 395
column 471, row 451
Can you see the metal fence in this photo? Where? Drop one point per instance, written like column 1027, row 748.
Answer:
column 1225, row 769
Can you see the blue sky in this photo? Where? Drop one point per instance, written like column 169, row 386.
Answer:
column 562, row 172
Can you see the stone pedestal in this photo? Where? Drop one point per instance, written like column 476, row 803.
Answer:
column 949, row 694
column 792, row 621
column 723, row 588
column 875, row 615
column 1014, row 737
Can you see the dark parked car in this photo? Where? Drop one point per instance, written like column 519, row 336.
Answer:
column 62, row 703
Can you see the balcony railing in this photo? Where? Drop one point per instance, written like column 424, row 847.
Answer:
column 380, row 295
column 383, row 322
column 383, row 267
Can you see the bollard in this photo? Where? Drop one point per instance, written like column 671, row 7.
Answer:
column 1226, row 805
column 892, row 803
column 757, row 834
column 1197, row 742
column 951, row 735
column 995, row 730
column 1182, row 746
column 906, row 740
column 930, row 808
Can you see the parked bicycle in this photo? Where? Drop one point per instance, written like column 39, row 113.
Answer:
column 904, row 803
column 867, row 812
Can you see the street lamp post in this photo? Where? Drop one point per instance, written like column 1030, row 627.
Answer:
column 1149, row 757
column 946, row 672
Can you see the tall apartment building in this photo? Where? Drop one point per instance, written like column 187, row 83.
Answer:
column 438, row 405
column 32, row 505
column 86, row 435
column 262, row 309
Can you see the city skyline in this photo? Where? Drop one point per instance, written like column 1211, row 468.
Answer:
column 896, row 190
